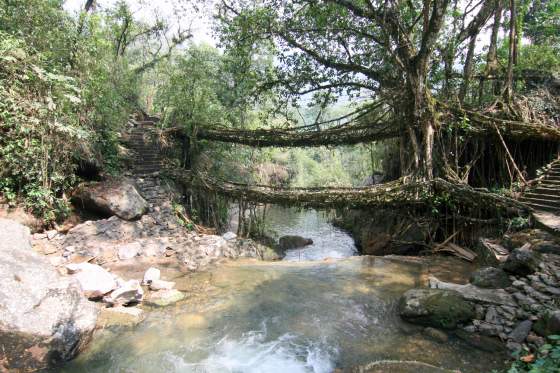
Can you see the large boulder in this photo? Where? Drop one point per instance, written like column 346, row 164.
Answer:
column 111, row 197
column 434, row 307
column 474, row 294
column 44, row 318
column 385, row 231
column 522, row 261
column 94, row 280
column 293, row 242
column 491, row 278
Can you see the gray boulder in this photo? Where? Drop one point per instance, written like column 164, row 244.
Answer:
column 521, row 331
column 44, row 319
column 111, row 197
column 522, row 261
column 491, row 278
column 434, row 307
column 293, row 242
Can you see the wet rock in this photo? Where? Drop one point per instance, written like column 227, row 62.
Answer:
column 44, row 318
column 129, row 250
column 490, row 277
column 112, row 197
column 522, row 261
column 547, row 247
column 521, row 331
column 161, row 285
column 481, row 342
column 293, row 242
column 151, row 274
column 513, row 346
column 436, row 335
column 120, row 316
column 475, row 294
column 269, row 253
column 94, row 280
column 489, row 329
column 384, row 231
column 435, row 307
column 548, row 324
column 164, row 298
column 128, row 293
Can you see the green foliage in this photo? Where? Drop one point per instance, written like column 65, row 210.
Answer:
column 547, row 359
column 63, row 100
column 519, row 223
column 40, row 130
column 540, row 57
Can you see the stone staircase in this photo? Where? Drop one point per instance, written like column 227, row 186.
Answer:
column 147, row 159
column 545, row 196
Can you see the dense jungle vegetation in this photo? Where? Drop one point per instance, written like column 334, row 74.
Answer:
column 69, row 81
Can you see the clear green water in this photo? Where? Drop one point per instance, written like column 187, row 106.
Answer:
column 249, row 316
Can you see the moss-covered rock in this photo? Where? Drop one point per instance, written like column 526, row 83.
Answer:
column 548, row 324
column 490, row 278
column 435, row 307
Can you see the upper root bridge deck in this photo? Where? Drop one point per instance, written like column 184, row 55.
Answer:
column 354, row 133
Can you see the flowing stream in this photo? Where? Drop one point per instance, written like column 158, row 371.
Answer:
column 297, row 315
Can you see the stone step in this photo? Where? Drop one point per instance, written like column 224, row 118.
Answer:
column 553, row 183
column 541, row 201
column 546, row 190
column 553, row 197
column 538, row 207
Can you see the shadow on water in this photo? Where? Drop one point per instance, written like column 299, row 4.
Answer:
column 249, row 316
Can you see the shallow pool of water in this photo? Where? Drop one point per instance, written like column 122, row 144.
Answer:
column 328, row 240
column 250, row 316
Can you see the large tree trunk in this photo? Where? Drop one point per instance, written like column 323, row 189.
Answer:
column 508, row 93
column 467, row 69
column 422, row 122
column 492, row 67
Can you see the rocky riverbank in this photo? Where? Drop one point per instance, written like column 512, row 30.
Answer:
column 514, row 304
column 59, row 286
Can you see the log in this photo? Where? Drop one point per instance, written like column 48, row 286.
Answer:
column 458, row 251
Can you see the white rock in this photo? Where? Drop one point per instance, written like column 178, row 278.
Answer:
column 229, row 236
column 130, row 292
column 151, row 275
column 94, row 280
column 161, row 285
column 129, row 250
column 51, row 234
column 155, row 247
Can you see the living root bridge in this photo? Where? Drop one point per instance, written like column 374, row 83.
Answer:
column 482, row 125
column 393, row 194
column 479, row 125
column 339, row 135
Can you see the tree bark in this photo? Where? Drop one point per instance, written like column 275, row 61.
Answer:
column 508, row 92
column 467, row 69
